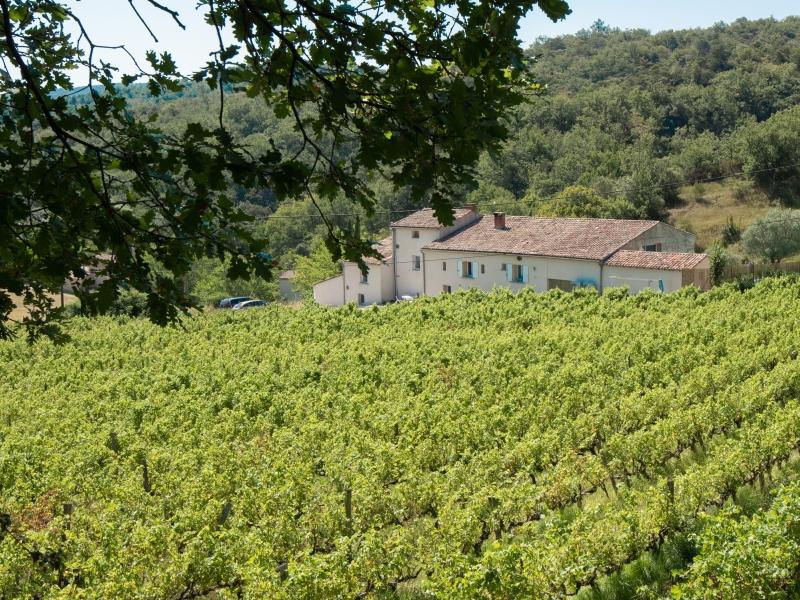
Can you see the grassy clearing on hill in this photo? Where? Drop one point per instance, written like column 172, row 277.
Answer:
column 20, row 312
column 706, row 209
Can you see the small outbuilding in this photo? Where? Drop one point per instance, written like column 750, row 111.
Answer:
column 286, row 283
column 660, row 271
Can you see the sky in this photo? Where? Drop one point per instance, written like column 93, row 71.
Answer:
column 655, row 16
column 112, row 22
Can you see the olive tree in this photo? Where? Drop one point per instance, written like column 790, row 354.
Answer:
column 775, row 236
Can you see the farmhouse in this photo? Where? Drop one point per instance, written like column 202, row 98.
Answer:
column 422, row 257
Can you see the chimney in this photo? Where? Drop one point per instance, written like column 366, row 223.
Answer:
column 499, row 220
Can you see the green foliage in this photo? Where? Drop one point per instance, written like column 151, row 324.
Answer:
column 745, row 282
column 208, row 283
column 718, row 259
column 317, row 453
column 699, row 157
column 731, row 233
column 773, row 237
column 772, row 152
column 650, row 576
column 650, row 188
column 490, row 197
column 646, row 111
column 411, row 90
column 292, row 227
column 579, row 201
column 627, row 113
column 316, row 267
column 756, row 557
column 129, row 303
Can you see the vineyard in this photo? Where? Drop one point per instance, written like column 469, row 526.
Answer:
column 469, row 446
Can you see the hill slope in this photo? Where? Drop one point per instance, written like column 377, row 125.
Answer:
column 472, row 445
column 635, row 114
column 628, row 113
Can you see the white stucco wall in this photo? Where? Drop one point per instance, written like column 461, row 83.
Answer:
column 540, row 269
column 378, row 289
column 409, row 281
column 387, row 282
column 287, row 290
column 330, row 292
column 639, row 279
column 372, row 290
column 406, row 246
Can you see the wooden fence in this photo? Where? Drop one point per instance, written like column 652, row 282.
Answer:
column 757, row 271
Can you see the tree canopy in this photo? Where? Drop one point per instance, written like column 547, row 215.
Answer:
column 635, row 114
column 584, row 202
column 417, row 90
column 775, row 236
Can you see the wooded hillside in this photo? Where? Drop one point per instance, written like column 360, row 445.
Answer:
column 634, row 114
column 626, row 125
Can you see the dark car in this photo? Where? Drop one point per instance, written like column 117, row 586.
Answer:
column 249, row 304
column 231, row 302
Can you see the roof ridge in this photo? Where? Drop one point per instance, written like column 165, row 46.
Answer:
column 561, row 237
column 649, row 252
column 604, row 219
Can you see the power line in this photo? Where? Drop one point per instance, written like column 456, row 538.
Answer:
column 529, row 203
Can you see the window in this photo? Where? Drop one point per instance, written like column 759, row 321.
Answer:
column 652, row 247
column 503, row 267
column 416, row 263
column 361, row 299
column 364, row 277
column 467, row 269
column 415, row 234
column 447, row 289
column 444, row 265
column 559, row 284
column 483, row 268
column 516, row 273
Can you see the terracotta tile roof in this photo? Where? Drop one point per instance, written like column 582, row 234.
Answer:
column 384, row 247
column 589, row 239
column 670, row 261
column 425, row 219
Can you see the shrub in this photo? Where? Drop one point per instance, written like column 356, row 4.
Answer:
column 731, row 233
column 718, row 259
column 774, row 237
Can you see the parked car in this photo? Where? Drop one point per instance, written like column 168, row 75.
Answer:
column 231, row 302
column 249, row 304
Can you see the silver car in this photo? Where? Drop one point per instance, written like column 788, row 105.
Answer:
column 249, row 304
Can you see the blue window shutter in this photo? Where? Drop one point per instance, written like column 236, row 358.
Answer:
column 524, row 273
column 510, row 272
column 459, row 269
column 475, row 268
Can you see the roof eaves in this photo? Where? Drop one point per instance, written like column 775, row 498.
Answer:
column 400, row 225
column 330, row 278
column 627, row 259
